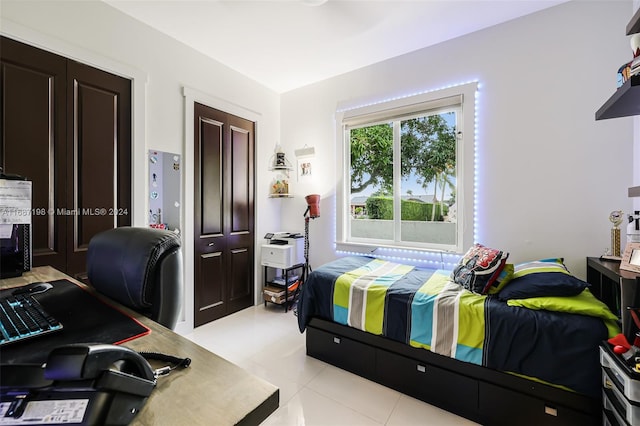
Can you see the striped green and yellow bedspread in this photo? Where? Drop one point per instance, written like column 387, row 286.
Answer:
column 442, row 317
column 424, row 309
column 359, row 295
column 448, row 320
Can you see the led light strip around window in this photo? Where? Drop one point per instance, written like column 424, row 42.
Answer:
column 427, row 258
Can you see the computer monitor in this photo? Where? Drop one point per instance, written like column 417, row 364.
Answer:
column 15, row 226
column 15, row 252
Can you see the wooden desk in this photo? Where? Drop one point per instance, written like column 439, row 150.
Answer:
column 212, row 391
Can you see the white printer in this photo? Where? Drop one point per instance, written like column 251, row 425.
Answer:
column 284, row 250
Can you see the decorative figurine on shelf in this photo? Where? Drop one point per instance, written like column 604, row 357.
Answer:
column 635, row 45
column 633, row 228
column 616, row 217
column 280, row 159
column 632, row 67
column 280, row 187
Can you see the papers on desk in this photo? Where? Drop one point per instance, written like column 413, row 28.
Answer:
column 15, row 202
column 15, row 205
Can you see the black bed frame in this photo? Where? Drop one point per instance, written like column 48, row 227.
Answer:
column 480, row 394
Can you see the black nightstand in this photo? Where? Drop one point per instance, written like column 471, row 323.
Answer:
column 617, row 288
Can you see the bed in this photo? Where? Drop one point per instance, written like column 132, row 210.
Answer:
column 500, row 353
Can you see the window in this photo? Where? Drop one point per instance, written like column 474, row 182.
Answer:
column 408, row 173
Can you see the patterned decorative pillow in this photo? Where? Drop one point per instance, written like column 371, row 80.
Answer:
column 479, row 268
column 503, row 279
column 542, row 278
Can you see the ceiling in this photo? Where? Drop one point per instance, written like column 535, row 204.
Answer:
column 286, row 44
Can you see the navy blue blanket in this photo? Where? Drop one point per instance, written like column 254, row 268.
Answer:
column 557, row 348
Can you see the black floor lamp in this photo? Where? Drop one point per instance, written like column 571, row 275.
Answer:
column 312, row 212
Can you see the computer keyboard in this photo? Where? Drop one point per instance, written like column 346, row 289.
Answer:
column 23, row 317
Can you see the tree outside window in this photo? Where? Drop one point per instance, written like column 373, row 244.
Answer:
column 408, row 173
column 426, row 186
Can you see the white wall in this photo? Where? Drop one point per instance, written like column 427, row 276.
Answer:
column 549, row 173
column 97, row 34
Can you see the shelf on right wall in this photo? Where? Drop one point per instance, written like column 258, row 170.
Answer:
column 626, row 100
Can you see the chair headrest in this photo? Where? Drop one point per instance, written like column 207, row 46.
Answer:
column 122, row 262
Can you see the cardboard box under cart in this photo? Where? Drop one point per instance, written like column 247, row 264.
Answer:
column 276, row 294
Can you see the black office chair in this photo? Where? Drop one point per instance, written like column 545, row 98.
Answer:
column 141, row 268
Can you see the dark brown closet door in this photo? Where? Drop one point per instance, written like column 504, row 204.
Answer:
column 33, row 111
column 224, row 216
column 67, row 127
column 99, row 141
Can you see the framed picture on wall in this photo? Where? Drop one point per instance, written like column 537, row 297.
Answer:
column 631, row 258
column 305, row 168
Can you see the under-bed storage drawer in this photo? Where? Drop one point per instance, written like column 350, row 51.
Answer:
column 500, row 406
column 342, row 352
column 435, row 385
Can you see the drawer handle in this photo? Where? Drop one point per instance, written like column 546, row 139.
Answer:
column 336, row 340
column 421, row 368
column 551, row 411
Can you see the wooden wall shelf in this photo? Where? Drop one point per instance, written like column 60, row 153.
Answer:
column 626, row 100
column 634, row 25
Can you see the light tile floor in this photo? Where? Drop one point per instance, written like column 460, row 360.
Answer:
column 266, row 342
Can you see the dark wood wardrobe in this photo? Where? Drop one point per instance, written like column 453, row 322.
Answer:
column 66, row 126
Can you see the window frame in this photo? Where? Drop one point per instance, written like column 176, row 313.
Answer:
column 460, row 97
